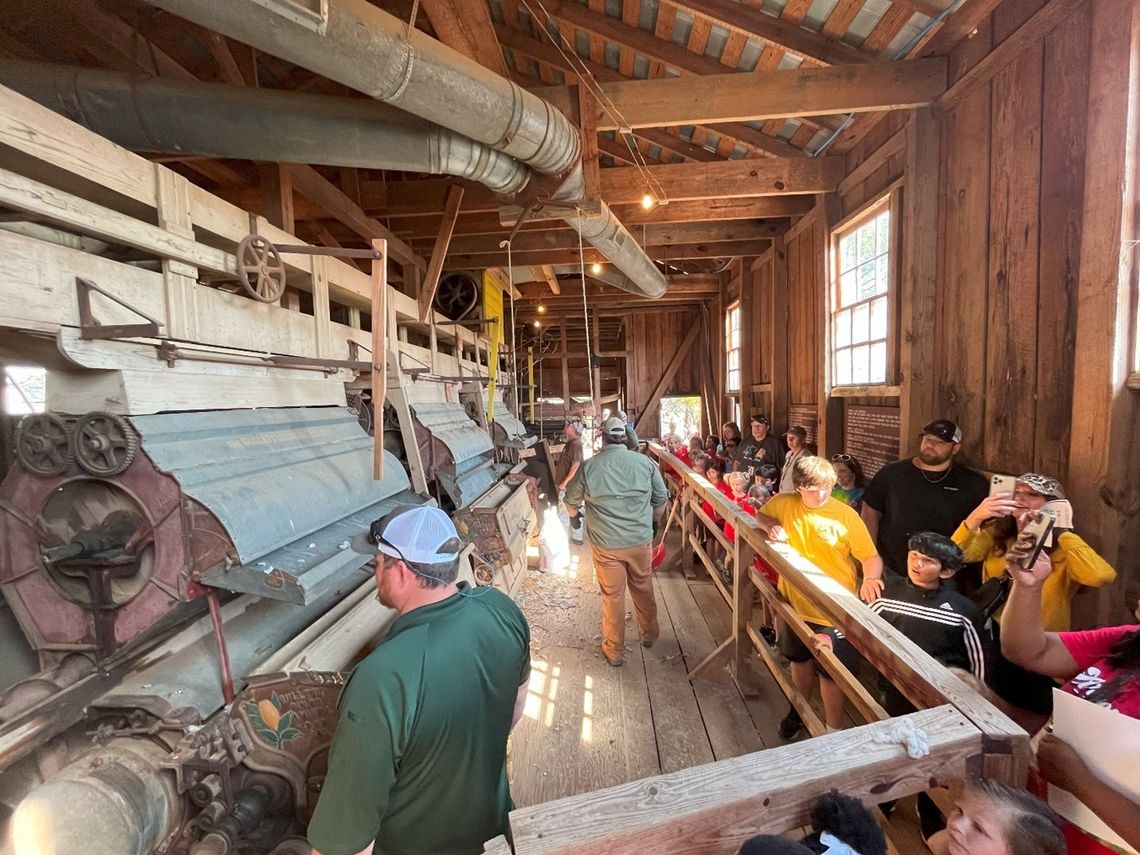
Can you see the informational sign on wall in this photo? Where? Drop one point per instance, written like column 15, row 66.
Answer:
column 805, row 415
column 871, row 436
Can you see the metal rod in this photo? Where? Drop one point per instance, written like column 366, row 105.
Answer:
column 335, row 251
column 223, row 652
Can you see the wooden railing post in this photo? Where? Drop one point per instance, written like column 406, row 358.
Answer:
column 684, row 494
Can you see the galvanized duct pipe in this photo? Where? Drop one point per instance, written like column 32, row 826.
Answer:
column 376, row 53
column 153, row 115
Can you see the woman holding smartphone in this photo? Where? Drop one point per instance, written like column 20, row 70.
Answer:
column 988, row 534
column 1103, row 667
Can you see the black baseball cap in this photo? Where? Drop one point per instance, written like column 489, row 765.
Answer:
column 761, row 418
column 944, row 429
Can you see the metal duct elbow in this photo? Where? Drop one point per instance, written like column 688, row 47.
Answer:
column 376, row 53
column 621, row 249
column 153, row 115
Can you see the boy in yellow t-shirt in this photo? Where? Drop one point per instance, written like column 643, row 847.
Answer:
column 829, row 534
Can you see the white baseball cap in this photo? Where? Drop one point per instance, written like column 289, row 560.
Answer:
column 417, row 533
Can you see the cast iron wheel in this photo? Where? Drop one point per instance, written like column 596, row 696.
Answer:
column 104, row 444
column 43, row 444
column 456, row 296
column 261, row 268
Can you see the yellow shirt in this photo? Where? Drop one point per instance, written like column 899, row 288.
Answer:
column 829, row 537
column 1075, row 563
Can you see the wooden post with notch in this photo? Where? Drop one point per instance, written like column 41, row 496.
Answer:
column 379, row 349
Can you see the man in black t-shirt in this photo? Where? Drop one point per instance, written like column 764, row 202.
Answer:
column 761, row 448
column 928, row 492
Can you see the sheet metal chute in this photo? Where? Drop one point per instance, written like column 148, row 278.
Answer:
column 507, row 430
column 254, row 501
column 456, row 450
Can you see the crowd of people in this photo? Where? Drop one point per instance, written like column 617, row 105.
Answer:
column 418, row 760
column 943, row 554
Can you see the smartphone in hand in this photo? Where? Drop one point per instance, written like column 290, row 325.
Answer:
column 1002, row 484
column 1032, row 538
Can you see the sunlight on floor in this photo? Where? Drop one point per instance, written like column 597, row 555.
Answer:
column 542, row 692
column 588, row 711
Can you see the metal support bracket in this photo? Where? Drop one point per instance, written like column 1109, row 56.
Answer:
column 90, row 329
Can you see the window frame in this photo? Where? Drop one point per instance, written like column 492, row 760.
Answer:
column 887, row 203
column 734, row 307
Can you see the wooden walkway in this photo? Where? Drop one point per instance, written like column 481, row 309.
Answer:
column 588, row 725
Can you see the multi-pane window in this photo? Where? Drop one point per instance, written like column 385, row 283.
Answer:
column 860, row 304
column 732, row 349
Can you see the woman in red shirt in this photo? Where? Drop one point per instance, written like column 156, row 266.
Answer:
column 1100, row 665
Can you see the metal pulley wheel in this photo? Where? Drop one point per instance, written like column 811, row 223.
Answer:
column 43, row 444
column 104, row 444
column 261, row 268
column 456, row 295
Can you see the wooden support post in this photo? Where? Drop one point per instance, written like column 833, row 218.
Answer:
column 379, row 356
column 743, row 590
column 178, row 279
column 439, row 251
column 919, row 276
column 322, row 316
column 530, row 380
column 1104, row 412
column 747, row 315
column 588, row 123
column 778, row 329
column 276, row 188
column 565, row 374
column 667, row 377
column 683, row 496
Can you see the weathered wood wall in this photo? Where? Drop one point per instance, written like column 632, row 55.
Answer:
column 1020, row 236
column 655, row 338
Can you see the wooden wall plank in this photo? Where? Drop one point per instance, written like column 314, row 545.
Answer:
column 1064, row 112
column 1011, row 369
column 962, row 305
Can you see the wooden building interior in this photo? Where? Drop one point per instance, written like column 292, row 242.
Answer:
column 980, row 155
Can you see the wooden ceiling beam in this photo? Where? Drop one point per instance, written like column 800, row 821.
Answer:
column 788, row 93
column 676, row 252
column 466, row 26
column 618, row 150
column 726, row 179
column 751, row 21
column 542, row 52
column 657, row 235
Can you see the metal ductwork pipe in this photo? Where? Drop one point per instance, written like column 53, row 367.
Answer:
column 153, row 115
column 376, row 53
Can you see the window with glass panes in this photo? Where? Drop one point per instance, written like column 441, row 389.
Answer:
column 732, row 349
column 860, row 308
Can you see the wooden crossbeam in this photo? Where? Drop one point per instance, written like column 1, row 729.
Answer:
column 726, row 179
column 676, row 252
column 664, row 234
column 439, row 251
column 550, row 278
column 775, row 94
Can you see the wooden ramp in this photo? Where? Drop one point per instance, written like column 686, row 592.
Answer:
column 588, row 725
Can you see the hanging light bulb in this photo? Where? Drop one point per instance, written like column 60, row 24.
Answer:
column 541, row 308
column 647, row 201
column 596, row 268
column 537, row 324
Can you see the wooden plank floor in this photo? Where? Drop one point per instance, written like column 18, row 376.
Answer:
column 588, row 725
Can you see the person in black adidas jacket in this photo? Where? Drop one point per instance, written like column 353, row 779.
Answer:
column 930, row 613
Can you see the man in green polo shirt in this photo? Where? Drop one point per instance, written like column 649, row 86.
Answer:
column 418, row 760
column 622, row 492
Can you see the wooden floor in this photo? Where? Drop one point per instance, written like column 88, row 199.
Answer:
column 588, row 725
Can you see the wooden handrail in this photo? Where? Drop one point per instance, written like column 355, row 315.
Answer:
column 922, row 679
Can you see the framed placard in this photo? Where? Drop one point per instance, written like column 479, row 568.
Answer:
column 802, row 414
column 871, row 435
